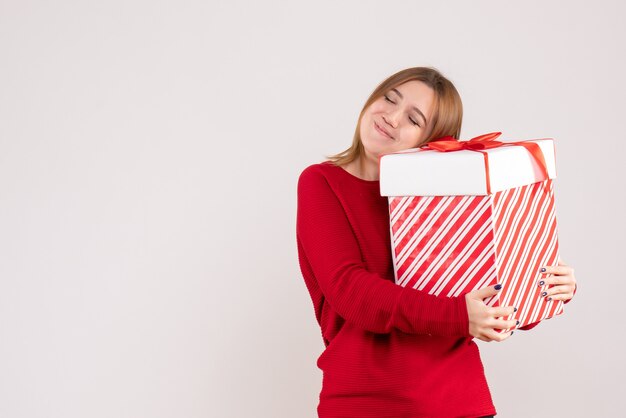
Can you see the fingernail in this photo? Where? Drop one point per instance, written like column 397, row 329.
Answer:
column 541, row 283
column 550, row 298
column 514, row 309
column 517, row 323
column 498, row 286
column 543, row 269
column 544, row 293
column 512, row 332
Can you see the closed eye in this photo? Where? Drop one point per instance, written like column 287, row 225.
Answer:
column 412, row 121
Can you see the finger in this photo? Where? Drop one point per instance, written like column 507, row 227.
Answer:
column 564, row 269
column 557, row 280
column 560, row 296
column 498, row 311
column 504, row 323
column 487, row 292
column 555, row 290
column 564, row 295
column 498, row 336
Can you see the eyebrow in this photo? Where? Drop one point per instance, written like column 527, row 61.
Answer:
column 414, row 108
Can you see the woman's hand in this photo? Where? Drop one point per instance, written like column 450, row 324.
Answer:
column 560, row 280
column 483, row 318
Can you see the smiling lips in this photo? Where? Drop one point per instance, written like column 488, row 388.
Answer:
column 382, row 131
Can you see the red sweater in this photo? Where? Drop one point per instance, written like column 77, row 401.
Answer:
column 391, row 351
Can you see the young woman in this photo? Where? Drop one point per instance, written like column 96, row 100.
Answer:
column 392, row 351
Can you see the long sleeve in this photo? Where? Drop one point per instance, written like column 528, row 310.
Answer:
column 361, row 297
column 534, row 324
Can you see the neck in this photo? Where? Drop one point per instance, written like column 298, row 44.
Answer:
column 365, row 168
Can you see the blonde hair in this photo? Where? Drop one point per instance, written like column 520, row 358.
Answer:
column 447, row 113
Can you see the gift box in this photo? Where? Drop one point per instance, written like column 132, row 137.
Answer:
column 469, row 214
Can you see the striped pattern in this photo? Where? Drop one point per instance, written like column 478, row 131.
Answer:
column 451, row 245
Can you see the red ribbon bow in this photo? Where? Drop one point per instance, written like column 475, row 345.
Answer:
column 448, row 143
column 486, row 141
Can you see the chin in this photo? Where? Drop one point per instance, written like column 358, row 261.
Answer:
column 376, row 148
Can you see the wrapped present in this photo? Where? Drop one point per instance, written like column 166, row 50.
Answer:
column 469, row 214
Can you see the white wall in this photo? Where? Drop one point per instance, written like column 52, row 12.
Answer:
column 149, row 154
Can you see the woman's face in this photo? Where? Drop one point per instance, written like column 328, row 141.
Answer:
column 404, row 112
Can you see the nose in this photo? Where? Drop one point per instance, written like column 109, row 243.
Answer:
column 392, row 118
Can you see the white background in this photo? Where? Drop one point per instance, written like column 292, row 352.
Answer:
column 149, row 155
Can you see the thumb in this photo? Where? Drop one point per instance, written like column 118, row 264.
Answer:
column 485, row 292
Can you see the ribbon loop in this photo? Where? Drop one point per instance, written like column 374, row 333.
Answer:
column 486, row 137
column 483, row 142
